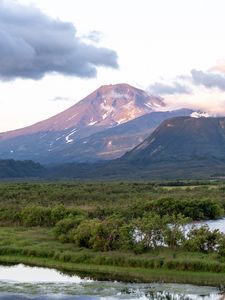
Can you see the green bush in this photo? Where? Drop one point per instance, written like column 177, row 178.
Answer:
column 36, row 216
column 83, row 234
column 202, row 239
column 191, row 208
column 63, row 228
column 112, row 234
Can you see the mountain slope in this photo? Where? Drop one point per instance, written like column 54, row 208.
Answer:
column 107, row 107
column 20, row 169
column 182, row 139
column 114, row 142
column 180, row 148
column 107, row 144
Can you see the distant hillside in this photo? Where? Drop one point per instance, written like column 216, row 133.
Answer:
column 182, row 139
column 179, row 148
column 20, row 169
column 113, row 142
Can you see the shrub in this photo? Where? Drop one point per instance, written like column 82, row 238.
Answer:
column 63, row 228
column 202, row 239
column 36, row 216
column 112, row 234
column 83, row 234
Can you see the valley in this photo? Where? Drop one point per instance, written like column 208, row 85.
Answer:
column 112, row 150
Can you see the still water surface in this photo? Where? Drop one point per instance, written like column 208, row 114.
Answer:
column 23, row 282
column 32, row 283
column 214, row 224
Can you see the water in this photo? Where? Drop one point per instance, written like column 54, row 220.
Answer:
column 22, row 283
column 32, row 283
column 214, row 224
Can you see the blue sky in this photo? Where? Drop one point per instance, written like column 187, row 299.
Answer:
column 173, row 48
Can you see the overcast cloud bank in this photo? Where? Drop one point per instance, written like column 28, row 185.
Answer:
column 33, row 44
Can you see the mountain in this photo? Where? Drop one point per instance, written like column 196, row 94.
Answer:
column 182, row 139
column 20, row 169
column 104, row 145
column 107, row 107
column 180, row 148
column 114, row 142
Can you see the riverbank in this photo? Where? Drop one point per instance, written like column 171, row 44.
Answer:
column 37, row 247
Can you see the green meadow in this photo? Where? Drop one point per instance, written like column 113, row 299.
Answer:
column 129, row 231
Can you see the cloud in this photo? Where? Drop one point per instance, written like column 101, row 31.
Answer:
column 94, row 36
column 33, row 45
column 208, row 79
column 169, row 89
column 61, row 99
column 219, row 67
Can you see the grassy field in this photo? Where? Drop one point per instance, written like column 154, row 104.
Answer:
column 90, row 195
column 39, row 246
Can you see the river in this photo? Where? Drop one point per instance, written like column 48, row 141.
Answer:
column 22, row 283
column 213, row 224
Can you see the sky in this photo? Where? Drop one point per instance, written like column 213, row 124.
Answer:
column 54, row 53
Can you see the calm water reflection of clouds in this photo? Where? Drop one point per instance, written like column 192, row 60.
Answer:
column 33, row 283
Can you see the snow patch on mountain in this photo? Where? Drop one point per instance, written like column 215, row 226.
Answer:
column 72, row 117
column 120, row 121
column 148, row 105
column 197, row 114
column 116, row 95
column 68, row 139
column 92, row 123
column 107, row 109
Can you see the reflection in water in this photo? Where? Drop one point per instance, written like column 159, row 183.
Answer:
column 25, row 274
column 61, row 297
column 22, row 283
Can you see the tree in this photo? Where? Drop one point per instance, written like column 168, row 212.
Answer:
column 149, row 231
column 112, row 234
column 174, row 233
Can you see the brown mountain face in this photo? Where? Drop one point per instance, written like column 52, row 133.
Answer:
column 108, row 106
